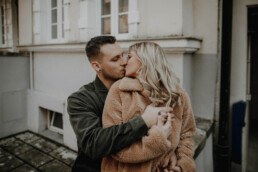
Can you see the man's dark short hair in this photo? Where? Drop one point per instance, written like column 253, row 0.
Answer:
column 93, row 46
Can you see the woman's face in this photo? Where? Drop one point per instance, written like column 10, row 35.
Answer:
column 133, row 64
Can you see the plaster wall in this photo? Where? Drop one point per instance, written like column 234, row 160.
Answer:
column 187, row 17
column 87, row 22
column 204, row 161
column 73, row 14
column 205, row 21
column 187, row 70
column 203, row 88
column 239, row 47
column 176, row 63
column 168, row 22
column 61, row 73
column 14, row 79
column 239, row 50
column 25, row 22
column 56, row 76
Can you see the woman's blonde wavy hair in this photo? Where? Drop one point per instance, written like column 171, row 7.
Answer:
column 156, row 75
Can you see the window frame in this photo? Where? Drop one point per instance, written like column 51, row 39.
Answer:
column 114, row 17
column 60, row 22
column 50, row 122
column 2, row 6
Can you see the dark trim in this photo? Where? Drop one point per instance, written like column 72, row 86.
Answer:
column 222, row 149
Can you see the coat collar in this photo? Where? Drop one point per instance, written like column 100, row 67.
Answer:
column 130, row 84
column 99, row 85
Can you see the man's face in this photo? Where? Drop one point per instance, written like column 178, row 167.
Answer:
column 112, row 62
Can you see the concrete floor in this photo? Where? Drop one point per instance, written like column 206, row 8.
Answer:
column 30, row 152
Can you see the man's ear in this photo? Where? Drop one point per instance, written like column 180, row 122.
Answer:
column 96, row 66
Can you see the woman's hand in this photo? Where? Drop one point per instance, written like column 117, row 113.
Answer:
column 169, row 164
column 165, row 124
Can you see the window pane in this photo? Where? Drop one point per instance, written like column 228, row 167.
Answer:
column 123, row 6
column 62, row 30
column 123, row 24
column 3, row 30
column 106, row 7
column 3, row 40
column 54, row 32
column 63, row 21
column 58, row 121
column 53, row 3
column 63, row 14
column 106, row 25
column 2, row 10
column 54, row 16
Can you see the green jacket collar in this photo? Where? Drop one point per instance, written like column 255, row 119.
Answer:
column 99, row 85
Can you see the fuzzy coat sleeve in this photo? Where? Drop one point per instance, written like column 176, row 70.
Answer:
column 149, row 147
column 185, row 150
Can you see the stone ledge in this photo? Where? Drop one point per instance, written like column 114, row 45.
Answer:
column 204, row 129
column 173, row 44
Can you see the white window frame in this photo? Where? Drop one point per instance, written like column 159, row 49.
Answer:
column 114, row 17
column 60, row 22
column 50, row 122
column 2, row 5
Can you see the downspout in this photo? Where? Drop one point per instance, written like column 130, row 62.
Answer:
column 222, row 149
column 31, row 71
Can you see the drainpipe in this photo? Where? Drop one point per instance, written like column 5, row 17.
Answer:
column 222, row 149
column 31, row 71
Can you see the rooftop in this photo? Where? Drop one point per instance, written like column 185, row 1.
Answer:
column 28, row 151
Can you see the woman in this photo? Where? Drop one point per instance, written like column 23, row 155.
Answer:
column 149, row 80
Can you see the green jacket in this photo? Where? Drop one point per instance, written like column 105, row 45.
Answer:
column 85, row 109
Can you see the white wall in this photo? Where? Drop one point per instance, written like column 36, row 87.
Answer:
column 204, row 162
column 61, row 73
column 14, row 79
column 206, row 25
column 160, row 19
column 203, row 79
column 56, row 76
column 239, row 63
column 239, row 49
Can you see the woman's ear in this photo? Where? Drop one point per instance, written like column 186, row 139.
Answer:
column 96, row 66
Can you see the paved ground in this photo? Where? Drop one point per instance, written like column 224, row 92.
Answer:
column 30, row 152
column 252, row 159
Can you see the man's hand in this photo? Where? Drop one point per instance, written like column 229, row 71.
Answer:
column 150, row 115
column 166, row 127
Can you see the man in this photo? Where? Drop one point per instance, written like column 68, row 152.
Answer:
column 85, row 109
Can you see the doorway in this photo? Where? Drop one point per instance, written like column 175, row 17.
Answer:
column 252, row 152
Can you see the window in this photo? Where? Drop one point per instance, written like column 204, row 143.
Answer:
column 114, row 17
column 55, row 121
column 123, row 16
column 57, row 20
column 3, row 25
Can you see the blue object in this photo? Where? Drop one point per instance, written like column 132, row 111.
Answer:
column 238, row 117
